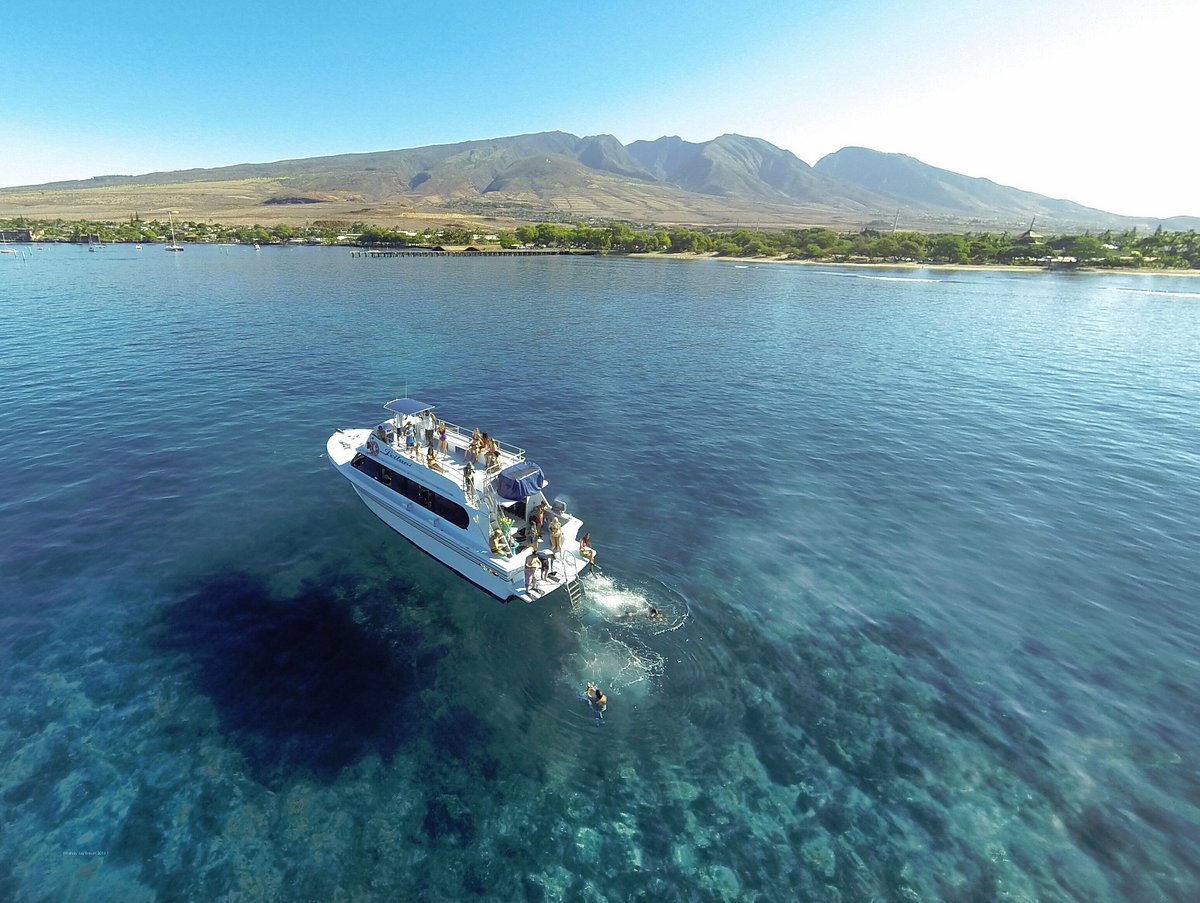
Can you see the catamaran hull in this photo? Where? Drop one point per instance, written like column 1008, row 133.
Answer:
column 434, row 529
column 401, row 515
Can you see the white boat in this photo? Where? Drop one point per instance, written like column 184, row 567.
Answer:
column 430, row 507
column 174, row 245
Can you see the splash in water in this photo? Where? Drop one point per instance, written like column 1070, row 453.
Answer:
column 611, row 602
column 616, row 626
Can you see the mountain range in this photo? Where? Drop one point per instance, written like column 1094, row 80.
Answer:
column 555, row 176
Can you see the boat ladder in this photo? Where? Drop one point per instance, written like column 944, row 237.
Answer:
column 574, row 591
column 571, row 578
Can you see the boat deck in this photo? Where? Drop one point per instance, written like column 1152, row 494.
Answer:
column 452, row 465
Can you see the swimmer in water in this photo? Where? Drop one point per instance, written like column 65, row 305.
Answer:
column 596, row 696
column 654, row 614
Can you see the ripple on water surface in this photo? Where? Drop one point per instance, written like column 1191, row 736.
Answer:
column 922, row 544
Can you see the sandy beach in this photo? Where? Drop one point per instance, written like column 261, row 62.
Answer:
column 913, row 265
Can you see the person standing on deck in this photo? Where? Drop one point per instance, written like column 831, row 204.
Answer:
column 430, row 426
column 469, row 481
column 556, row 538
column 537, row 519
column 531, row 571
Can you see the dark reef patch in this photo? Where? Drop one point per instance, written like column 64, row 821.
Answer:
column 298, row 682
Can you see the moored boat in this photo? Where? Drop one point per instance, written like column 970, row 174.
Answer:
column 174, row 245
column 485, row 528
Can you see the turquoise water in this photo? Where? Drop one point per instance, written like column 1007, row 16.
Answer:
column 926, row 542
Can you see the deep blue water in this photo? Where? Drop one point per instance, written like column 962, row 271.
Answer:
column 929, row 544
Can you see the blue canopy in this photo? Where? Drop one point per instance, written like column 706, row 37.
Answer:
column 407, row 406
column 519, row 481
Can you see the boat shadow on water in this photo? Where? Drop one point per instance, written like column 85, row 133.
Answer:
column 302, row 683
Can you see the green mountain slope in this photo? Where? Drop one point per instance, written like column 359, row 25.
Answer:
column 557, row 175
column 912, row 182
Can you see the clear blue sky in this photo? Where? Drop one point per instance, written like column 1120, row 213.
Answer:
column 1084, row 100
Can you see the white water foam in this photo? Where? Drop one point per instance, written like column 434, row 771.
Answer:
column 615, row 627
column 1153, row 291
column 881, row 278
column 893, row 278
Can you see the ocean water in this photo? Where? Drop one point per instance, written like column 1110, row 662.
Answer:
column 927, row 542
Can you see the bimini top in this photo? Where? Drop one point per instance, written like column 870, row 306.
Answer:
column 407, row 406
column 519, row 481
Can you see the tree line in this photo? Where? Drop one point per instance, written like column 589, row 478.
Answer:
column 1110, row 248
column 1107, row 249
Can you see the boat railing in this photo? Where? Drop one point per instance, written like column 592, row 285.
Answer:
column 463, row 436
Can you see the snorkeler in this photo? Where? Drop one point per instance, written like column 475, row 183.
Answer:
column 596, row 696
column 654, row 614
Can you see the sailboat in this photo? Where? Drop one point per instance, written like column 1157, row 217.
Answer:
column 174, row 245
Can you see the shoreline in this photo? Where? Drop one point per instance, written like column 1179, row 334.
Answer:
column 912, row 265
column 488, row 251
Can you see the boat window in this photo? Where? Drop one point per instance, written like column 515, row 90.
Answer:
column 452, row 511
column 446, row 509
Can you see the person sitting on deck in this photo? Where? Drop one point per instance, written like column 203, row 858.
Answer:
column 499, row 546
column 431, row 460
column 585, row 548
